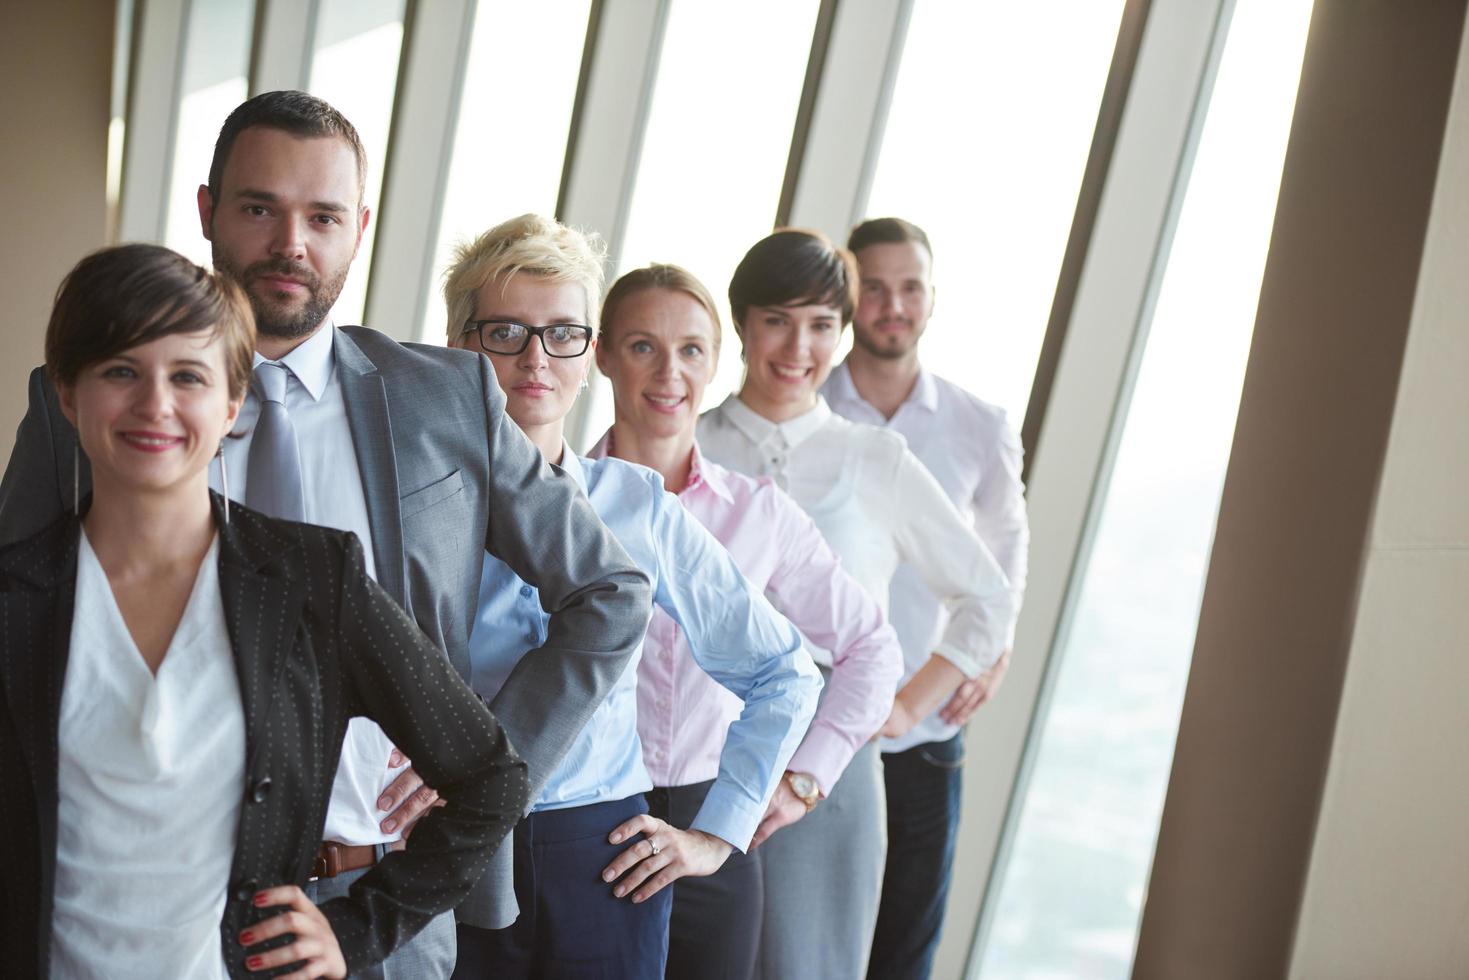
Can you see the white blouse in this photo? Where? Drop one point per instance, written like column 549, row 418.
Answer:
column 152, row 772
column 878, row 507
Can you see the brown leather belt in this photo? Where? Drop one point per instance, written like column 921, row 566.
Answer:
column 334, row 859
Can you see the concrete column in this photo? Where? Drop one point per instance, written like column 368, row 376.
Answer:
column 1292, row 544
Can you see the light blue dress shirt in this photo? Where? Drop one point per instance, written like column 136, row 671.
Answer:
column 736, row 636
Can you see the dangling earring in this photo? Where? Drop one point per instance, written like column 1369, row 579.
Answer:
column 584, row 386
column 76, row 470
column 224, row 482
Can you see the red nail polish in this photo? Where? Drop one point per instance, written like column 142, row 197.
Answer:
column 260, row 898
column 253, row 962
column 246, row 938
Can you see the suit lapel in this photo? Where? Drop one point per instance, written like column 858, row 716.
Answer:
column 262, row 611
column 366, row 399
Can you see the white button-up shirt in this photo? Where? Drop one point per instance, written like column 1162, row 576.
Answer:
column 878, row 507
column 970, row 448
column 332, row 483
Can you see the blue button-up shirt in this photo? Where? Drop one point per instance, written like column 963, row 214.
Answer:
column 733, row 632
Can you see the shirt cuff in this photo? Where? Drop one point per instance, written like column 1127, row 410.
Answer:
column 824, row 754
column 969, row 665
column 728, row 814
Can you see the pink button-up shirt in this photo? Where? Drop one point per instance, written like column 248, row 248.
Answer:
column 683, row 713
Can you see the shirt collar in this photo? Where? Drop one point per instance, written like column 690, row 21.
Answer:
column 839, row 385
column 925, row 393
column 757, row 428
column 702, row 472
column 571, row 466
column 312, row 361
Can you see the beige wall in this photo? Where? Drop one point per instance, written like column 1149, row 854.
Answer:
column 1388, row 888
column 55, row 79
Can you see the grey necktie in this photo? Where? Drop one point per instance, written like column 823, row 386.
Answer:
column 274, row 484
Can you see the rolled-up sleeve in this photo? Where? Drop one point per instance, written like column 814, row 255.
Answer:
column 955, row 564
column 999, row 509
column 542, row 526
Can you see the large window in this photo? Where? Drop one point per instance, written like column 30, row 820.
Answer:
column 216, row 63
column 1073, row 886
column 122, row 45
column 514, row 118
column 355, row 68
column 985, row 144
column 714, row 156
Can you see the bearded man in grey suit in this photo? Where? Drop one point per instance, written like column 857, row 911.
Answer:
column 407, row 445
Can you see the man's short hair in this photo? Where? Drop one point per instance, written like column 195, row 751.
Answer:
column 289, row 111
column 129, row 295
column 794, row 267
column 530, row 243
column 887, row 231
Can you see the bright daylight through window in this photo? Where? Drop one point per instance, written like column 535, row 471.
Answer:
column 1073, row 888
column 985, row 144
column 508, row 148
column 714, row 156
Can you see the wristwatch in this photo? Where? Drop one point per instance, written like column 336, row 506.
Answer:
column 803, row 784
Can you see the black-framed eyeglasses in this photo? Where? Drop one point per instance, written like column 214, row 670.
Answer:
column 509, row 337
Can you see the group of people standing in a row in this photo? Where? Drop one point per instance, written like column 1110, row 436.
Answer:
column 298, row 623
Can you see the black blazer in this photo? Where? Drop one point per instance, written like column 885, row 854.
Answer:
column 316, row 642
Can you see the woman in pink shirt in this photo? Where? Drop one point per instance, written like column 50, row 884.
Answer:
column 659, row 346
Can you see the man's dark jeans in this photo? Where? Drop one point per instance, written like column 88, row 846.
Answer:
column 923, row 791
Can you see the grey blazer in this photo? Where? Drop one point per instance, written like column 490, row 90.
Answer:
column 447, row 476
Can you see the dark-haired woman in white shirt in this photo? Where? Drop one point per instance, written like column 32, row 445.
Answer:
column 178, row 674
column 878, row 507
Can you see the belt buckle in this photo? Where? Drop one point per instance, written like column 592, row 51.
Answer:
column 328, row 863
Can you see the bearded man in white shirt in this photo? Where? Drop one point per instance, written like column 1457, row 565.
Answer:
column 971, row 449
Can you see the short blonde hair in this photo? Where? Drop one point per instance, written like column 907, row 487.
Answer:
column 530, row 243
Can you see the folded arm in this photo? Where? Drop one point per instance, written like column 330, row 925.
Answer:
column 542, row 526
column 813, row 590
column 738, row 639
column 955, row 564
column 394, row 675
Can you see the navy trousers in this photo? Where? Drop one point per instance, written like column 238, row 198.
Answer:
column 715, row 929
column 571, row 926
column 923, row 794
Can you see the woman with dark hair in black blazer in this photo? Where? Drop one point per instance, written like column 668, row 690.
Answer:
column 176, row 674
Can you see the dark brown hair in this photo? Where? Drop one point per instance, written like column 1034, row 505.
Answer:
column 674, row 278
column 121, row 297
column 794, row 267
column 291, row 112
column 887, row 231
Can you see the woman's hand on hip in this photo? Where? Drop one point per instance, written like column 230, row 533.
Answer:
column 785, row 809
column 664, row 855
column 313, row 945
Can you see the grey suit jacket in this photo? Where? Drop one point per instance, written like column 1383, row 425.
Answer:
column 447, row 476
